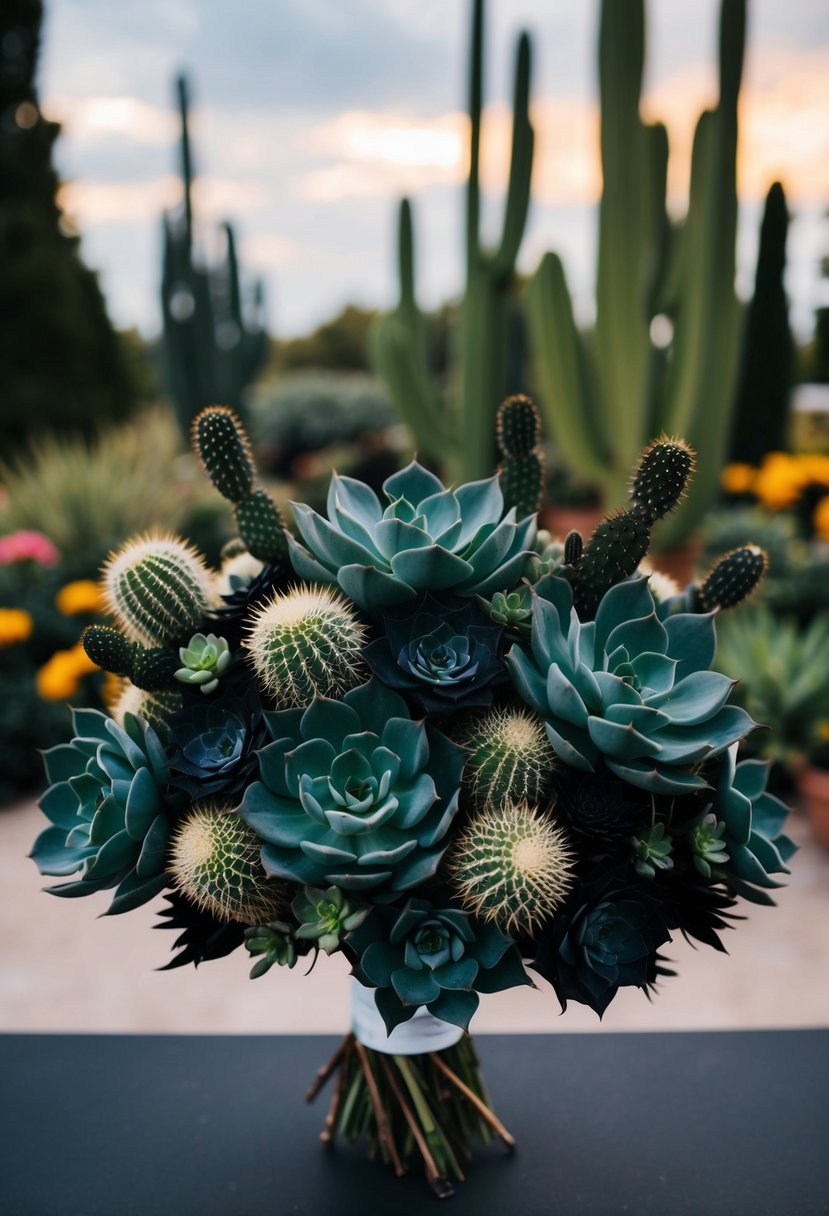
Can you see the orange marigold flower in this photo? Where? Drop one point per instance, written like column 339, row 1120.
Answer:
column 820, row 519
column 82, row 596
column 738, row 478
column 58, row 679
column 16, row 625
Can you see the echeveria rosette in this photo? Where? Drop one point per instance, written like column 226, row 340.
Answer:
column 606, row 936
column 325, row 916
column 444, row 658
column 627, row 690
column 440, row 957
column 215, row 745
column 753, row 838
column 354, row 793
column 106, row 803
column 425, row 538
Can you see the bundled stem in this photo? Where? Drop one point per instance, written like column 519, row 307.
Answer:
column 428, row 1106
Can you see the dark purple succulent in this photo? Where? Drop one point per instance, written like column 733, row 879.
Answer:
column 443, row 658
column 216, row 744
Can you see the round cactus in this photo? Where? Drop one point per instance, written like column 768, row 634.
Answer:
column 305, row 644
column 733, row 578
column 157, row 587
column 223, row 447
column 661, row 477
column 510, row 759
column 512, row 865
column 215, row 863
column 154, row 707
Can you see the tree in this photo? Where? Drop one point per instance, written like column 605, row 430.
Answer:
column 61, row 362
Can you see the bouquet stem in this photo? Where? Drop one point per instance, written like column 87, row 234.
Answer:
column 428, row 1106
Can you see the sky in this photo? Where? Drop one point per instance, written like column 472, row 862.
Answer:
column 311, row 118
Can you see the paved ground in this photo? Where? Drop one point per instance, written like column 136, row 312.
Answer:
column 63, row 968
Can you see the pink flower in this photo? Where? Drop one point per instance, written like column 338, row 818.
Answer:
column 28, row 546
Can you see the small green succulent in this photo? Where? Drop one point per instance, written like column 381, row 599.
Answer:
column 707, row 845
column 437, row 957
column 274, row 943
column 512, row 609
column 652, row 851
column 204, row 659
column 325, row 916
column 111, row 825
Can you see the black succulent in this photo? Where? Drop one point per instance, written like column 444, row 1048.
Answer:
column 443, row 658
column 599, row 808
column 216, row 744
column 202, row 936
column 605, row 937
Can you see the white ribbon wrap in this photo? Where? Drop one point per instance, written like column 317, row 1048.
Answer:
column 422, row 1033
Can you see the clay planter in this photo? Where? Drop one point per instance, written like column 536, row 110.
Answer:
column 813, row 787
column 680, row 563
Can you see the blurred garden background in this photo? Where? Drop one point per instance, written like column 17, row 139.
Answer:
column 361, row 226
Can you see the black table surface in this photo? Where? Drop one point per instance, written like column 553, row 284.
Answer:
column 673, row 1124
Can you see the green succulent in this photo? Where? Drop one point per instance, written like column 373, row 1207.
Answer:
column 203, row 660
column 652, row 851
column 274, row 943
column 512, row 609
column 106, row 805
column 707, row 845
column 754, row 820
column 437, row 957
column 426, row 538
column 627, row 690
column 354, row 793
column 325, row 916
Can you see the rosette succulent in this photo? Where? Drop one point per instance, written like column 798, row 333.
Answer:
column 203, row 660
column 424, row 538
column 443, row 658
column 325, row 917
column 216, row 744
column 753, row 837
column 605, row 938
column 106, row 803
column 437, row 957
column 354, row 793
column 627, row 690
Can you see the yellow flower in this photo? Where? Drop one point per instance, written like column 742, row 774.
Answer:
column 738, row 478
column 779, row 481
column 84, row 595
column 820, row 519
column 823, row 732
column 59, row 677
column 16, row 625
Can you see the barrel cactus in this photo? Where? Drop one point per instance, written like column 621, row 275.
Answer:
column 627, row 690
column 435, row 956
column 354, row 793
column 510, row 759
column 158, row 588
column 426, row 538
column 106, row 802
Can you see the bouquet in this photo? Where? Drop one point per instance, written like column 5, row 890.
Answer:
column 422, row 733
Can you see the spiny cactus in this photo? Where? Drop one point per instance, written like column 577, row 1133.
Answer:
column 518, row 429
column 150, row 669
column 513, row 865
column 621, row 540
column 733, row 577
column 222, row 445
column 215, row 862
column 157, row 587
column 510, row 759
column 154, row 707
column 573, row 548
column 305, row 644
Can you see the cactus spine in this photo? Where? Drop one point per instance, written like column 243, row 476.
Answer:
column 602, row 399
column 732, row 578
column 305, row 644
column 459, row 433
column 215, row 862
column 155, row 707
column 513, row 865
column 214, row 342
column 222, row 445
column 150, row 669
column 510, row 759
column 518, row 429
column 157, row 587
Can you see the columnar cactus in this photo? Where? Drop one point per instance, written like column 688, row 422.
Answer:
column 149, row 668
column 510, row 759
column 733, row 578
column 305, row 644
column 518, row 429
column 157, row 587
column 222, row 445
column 215, row 863
column 512, row 864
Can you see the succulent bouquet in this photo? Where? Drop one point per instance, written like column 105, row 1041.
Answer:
column 423, row 734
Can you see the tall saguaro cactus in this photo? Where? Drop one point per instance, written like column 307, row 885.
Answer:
column 213, row 344
column 602, row 402
column 456, row 429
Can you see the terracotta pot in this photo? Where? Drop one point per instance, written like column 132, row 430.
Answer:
column 680, row 563
column 561, row 520
column 813, row 787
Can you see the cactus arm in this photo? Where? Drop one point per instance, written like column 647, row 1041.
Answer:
column 560, row 363
column 476, row 85
column 183, row 93
column 521, row 162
